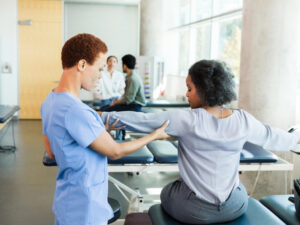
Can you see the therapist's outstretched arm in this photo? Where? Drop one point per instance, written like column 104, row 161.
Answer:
column 105, row 145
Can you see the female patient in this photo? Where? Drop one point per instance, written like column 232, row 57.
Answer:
column 211, row 138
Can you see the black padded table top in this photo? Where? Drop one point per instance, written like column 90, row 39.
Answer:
column 141, row 156
column 252, row 153
column 7, row 111
column 282, row 207
column 167, row 104
column 166, row 152
column 163, row 151
column 116, row 207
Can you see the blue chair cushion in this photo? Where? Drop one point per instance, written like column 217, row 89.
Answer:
column 163, row 151
column 256, row 214
column 282, row 207
column 143, row 155
column 252, row 153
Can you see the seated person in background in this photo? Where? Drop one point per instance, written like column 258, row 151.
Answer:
column 111, row 85
column 211, row 138
column 133, row 98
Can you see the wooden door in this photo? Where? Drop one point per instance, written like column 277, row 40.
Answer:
column 39, row 53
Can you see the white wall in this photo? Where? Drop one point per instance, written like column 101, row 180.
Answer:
column 117, row 25
column 175, row 88
column 9, row 87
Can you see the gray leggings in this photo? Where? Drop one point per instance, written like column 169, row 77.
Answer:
column 182, row 204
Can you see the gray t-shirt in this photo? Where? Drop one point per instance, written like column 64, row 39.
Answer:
column 209, row 148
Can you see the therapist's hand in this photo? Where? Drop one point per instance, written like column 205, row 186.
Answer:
column 113, row 125
column 160, row 132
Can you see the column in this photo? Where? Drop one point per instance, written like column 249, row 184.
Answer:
column 152, row 27
column 270, row 60
column 269, row 74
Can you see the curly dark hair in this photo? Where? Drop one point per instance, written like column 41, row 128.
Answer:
column 129, row 61
column 81, row 46
column 213, row 81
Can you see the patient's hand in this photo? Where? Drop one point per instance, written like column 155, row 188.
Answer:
column 160, row 132
column 114, row 102
column 113, row 125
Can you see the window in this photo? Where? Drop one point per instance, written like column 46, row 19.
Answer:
column 223, row 6
column 184, row 9
column 184, row 48
column 203, row 29
column 201, row 37
column 201, row 9
column 227, row 42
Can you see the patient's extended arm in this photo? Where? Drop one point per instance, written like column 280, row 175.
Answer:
column 270, row 138
column 148, row 122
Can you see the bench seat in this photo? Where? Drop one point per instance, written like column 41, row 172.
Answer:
column 282, row 207
column 256, row 214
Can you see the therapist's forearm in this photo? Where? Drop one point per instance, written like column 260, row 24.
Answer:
column 127, row 148
column 107, row 146
column 135, row 121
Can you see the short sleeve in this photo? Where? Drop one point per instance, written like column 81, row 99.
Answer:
column 84, row 125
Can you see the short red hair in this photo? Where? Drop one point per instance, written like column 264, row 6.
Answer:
column 81, row 46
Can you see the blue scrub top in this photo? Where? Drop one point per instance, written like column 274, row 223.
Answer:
column 81, row 185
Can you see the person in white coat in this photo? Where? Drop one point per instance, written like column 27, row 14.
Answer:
column 111, row 85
